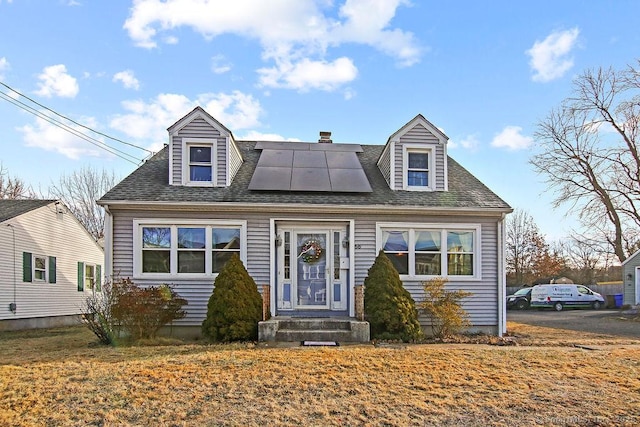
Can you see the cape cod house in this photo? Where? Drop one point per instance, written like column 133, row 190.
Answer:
column 49, row 265
column 307, row 219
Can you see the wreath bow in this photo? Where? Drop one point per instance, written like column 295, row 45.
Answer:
column 311, row 251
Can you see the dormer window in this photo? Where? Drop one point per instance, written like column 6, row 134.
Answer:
column 418, row 168
column 199, row 163
column 198, row 167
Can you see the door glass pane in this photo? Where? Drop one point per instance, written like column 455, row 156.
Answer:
column 312, row 263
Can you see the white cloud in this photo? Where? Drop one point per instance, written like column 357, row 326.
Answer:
column 52, row 138
column 550, row 58
column 512, row 139
column 128, row 79
column 259, row 136
column 307, row 74
column 219, row 64
column 235, row 110
column 54, row 81
column 469, row 142
column 292, row 34
column 4, row 66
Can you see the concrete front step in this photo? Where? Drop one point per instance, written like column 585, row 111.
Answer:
column 313, row 329
column 290, row 335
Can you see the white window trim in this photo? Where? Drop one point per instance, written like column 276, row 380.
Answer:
column 33, row 268
column 418, row 148
column 443, row 228
column 203, row 142
column 174, row 224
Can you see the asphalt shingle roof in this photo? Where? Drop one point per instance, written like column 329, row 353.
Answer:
column 13, row 208
column 150, row 182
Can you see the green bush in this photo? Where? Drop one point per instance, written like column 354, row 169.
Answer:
column 444, row 308
column 235, row 306
column 388, row 306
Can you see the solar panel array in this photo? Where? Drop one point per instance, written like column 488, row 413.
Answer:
column 300, row 166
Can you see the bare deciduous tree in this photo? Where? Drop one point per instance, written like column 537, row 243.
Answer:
column 80, row 190
column 588, row 152
column 13, row 188
column 521, row 234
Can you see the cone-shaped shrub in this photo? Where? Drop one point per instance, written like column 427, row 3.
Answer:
column 235, row 306
column 388, row 306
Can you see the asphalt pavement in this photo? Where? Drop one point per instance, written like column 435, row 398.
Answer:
column 611, row 322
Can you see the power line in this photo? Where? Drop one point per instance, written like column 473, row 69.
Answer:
column 73, row 121
column 123, row 155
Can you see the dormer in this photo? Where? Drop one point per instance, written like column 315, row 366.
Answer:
column 202, row 152
column 415, row 157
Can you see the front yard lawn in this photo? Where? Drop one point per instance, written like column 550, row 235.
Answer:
column 60, row 377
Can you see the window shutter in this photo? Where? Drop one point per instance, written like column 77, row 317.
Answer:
column 26, row 267
column 52, row 269
column 98, row 278
column 80, row 276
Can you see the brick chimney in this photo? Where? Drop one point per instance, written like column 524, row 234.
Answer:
column 325, row 137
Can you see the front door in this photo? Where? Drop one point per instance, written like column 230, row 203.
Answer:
column 312, row 269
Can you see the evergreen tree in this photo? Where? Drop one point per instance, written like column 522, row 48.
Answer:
column 388, row 306
column 235, row 306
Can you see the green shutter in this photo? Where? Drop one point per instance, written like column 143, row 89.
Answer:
column 52, row 269
column 80, row 276
column 98, row 278
column 26, row 267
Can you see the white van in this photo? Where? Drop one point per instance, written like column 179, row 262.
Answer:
column 558, row 296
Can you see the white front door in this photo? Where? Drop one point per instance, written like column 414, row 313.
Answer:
column 312, row 269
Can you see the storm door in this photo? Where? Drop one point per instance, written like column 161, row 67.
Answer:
column 312, row 269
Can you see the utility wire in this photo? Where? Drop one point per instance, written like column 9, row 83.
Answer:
column 123, row 155
column 74, row 122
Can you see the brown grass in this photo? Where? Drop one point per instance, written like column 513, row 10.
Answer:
column 61, row 378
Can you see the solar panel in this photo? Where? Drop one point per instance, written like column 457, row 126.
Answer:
column 301, row 166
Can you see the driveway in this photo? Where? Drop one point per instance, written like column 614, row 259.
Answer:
column 610, row 322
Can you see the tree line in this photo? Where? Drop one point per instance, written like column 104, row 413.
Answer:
column 78, row 190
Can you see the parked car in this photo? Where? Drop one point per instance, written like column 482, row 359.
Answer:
column 520, row 299
column 558, row 296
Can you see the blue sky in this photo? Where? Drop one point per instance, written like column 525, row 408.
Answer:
column 484, row 72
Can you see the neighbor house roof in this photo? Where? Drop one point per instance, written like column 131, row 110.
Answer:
column 13, row 208
column 150, row 183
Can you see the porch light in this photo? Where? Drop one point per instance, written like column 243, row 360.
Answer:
column 629, row 276
column 345, row 242
column 278, row 240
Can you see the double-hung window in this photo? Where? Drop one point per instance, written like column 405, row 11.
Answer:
column 418, row 171
column 198, row 166
column 195, row 247
column 38, row 268
column 431, row 250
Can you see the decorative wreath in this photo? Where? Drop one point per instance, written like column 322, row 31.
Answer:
column 311, row 251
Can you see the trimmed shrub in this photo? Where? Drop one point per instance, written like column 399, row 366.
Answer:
column 388, row 306
column 444, row 308
column 235, row 306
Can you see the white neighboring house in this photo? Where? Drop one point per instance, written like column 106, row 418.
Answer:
column 49, row 264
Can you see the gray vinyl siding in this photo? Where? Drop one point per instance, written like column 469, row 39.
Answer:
column 629, row 278
column 420, row 135
column 46, row 233
column 235, row 160
column 221, row 163
column 482, row 307
column 384, row 164
column 198, row 128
